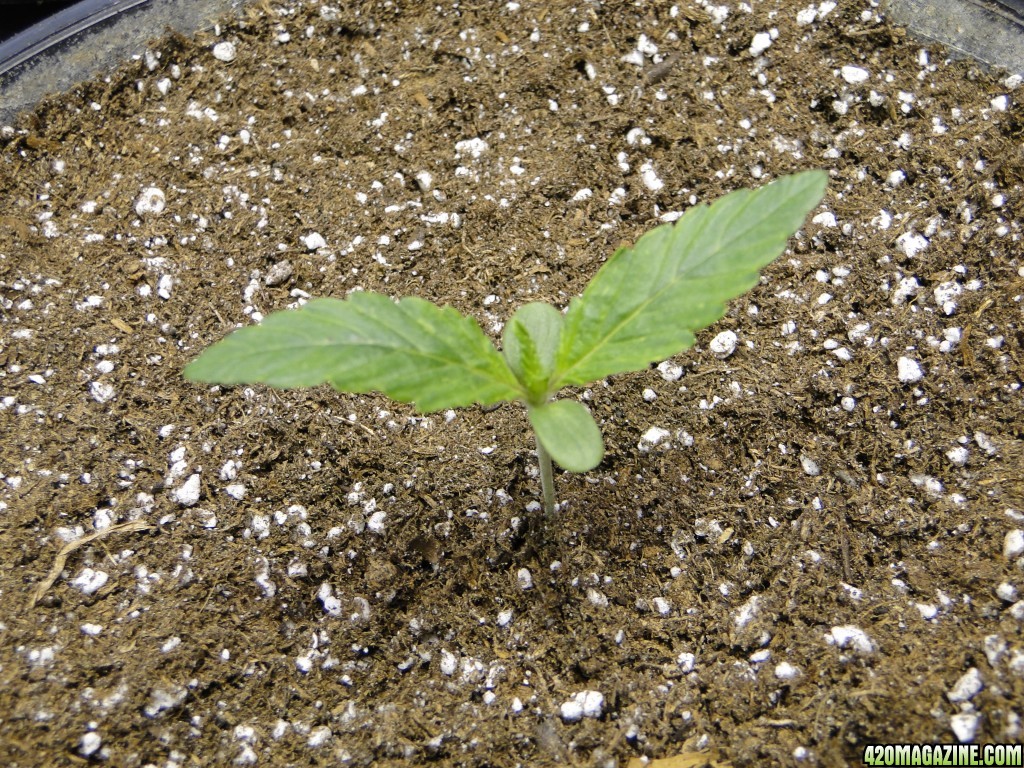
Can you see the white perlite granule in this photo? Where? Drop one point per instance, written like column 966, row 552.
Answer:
column 723, row 345
column 150, row 202
column 583, row 704
column 909, row 370
column 1013, row 544
column 849, row 636
column 224, row 51
column 188, row 493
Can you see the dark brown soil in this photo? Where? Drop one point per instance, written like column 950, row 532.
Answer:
column 817, row 556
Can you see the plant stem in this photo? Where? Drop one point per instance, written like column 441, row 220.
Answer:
column 547, row 483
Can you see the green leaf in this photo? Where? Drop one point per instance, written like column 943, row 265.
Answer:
column 569, row 433
column 410, row 350
column 529, row 343
column 647, row 301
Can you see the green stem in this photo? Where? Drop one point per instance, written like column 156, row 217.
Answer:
column 547, row 483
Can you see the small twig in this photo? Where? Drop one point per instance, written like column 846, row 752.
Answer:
column 363, row 427
column 62, row 556
column 547, row 484
column 844, row 541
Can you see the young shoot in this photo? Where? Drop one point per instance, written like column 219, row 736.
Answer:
column 644, row 305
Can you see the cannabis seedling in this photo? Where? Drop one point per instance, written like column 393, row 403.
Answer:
column 642, row 306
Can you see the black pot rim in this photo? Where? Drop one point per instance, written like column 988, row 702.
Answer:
column 101, row 33
column 89, row 38
column 55, row 29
